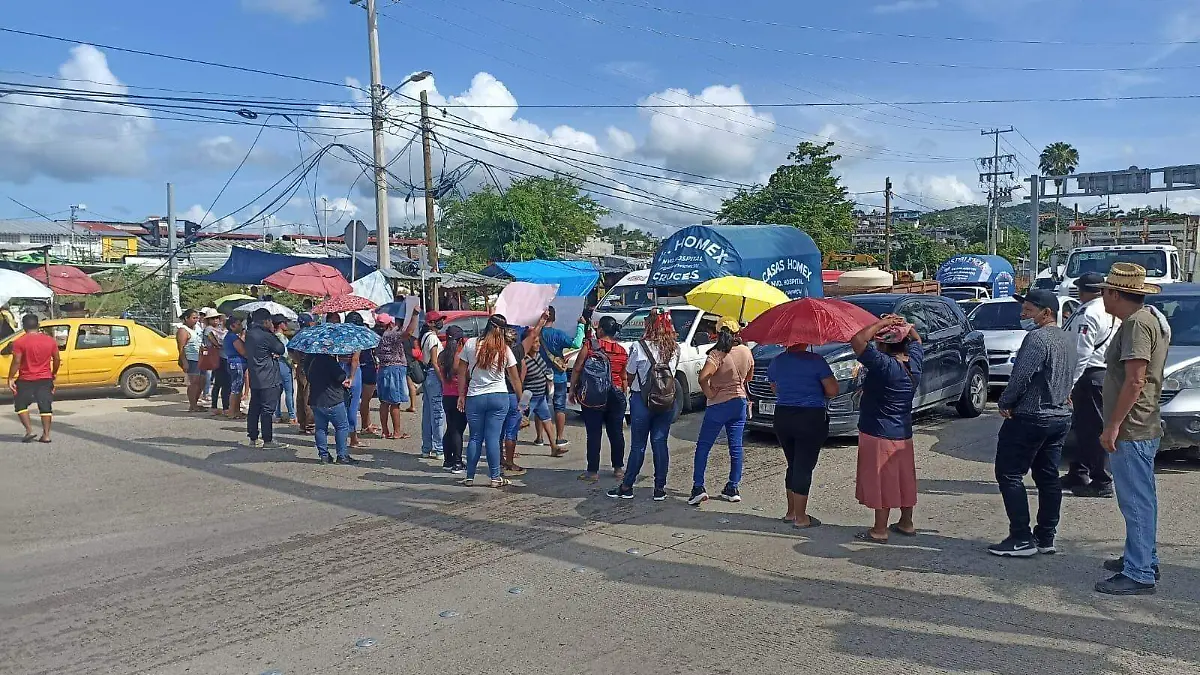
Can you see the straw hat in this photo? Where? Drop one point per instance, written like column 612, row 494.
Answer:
column 1129, row 278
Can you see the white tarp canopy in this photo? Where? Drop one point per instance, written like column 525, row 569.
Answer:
column 16, row 285
column 375, row 288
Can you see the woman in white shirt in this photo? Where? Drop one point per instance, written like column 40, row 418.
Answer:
column 659, row 345
column 483, row 364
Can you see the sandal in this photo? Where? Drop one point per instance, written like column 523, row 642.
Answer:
column 895, row 527
column 514, row 470
column 589, row 477
column 813, row 521
column 558, row 452
column 866, row 535
column 29, row 438
column 500, row 482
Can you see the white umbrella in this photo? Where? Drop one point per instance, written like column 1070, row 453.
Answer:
column 273, row 307
column 17, row 285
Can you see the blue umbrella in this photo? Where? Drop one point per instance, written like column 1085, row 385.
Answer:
column 334, row 339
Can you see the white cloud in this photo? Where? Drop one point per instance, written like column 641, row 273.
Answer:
column 941, row 192
column 901, row 6
column 722, row 141
column 294, row 10
column 198, row 214
column 43, row 137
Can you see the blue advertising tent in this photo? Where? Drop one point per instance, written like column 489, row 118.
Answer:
column 780, row 255
column 978, row 270
column 575, row 278
column 251, row 266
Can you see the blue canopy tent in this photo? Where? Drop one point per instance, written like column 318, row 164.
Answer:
column 575, row 278
column 992, row 271
column 780, row 255
column 251, row 266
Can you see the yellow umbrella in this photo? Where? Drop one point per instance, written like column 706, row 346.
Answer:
column 739, row 297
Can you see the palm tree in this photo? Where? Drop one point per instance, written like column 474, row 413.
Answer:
column 1058, row 159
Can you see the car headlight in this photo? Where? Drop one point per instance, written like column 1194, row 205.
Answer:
column 1184, row 378
column 846, row 370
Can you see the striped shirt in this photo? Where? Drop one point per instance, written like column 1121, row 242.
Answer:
column 537, row 372
column 1042, row 375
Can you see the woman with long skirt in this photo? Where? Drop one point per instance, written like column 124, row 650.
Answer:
column 887, row 474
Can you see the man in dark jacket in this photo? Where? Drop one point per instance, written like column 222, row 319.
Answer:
column 263, row 350
column 1036, row 421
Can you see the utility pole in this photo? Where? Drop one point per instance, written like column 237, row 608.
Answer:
column 1035, row 205
column 172, row 266
column 383, row 239
column 431, row 239
column 74, row 209
column 996, row 194
column 325, row 229
column 887, row 224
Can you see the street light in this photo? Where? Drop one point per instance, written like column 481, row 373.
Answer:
column 415, row 77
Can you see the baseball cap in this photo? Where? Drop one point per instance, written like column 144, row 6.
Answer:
column 384, row 319
column 1089, row 282
column 730, row 323
column 1040, row 298
column 433, row 316
column 305, row 319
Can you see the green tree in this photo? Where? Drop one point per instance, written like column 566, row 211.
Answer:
column 804, row 193
column 629, row 240
column 915, row 251
column 1058, row 159
column 535, row 217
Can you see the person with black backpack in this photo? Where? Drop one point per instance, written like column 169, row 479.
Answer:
column 598, row 385
column 650, row 370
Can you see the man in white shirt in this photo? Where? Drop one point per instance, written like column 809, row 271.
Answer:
column 1093, row 328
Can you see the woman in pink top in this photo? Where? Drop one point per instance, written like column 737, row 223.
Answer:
column 723, row 380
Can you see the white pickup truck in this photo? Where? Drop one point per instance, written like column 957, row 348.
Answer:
column 1160, row 260
column 695, row 327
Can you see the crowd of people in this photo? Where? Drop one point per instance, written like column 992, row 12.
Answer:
column 1100, row 374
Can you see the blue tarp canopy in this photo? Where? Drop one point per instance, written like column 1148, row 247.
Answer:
column 977, row 270
column 780, row 255
column 575, row 278
column 251, row 266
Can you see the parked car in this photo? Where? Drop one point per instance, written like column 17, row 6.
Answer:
column 955, row 368
column 1180, row 397
column 695, row 329
column 471, row 322
column 99, row 352
column 1000, row 322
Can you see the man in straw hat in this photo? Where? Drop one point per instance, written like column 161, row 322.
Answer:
column 1132, row 384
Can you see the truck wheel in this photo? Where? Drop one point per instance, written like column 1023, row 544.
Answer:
column 682, row 397
column 138, row 382
column 974, row 395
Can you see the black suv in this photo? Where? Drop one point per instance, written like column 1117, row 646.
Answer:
column 955, row 368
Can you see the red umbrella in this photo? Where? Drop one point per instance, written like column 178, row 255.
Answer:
column 813, row 321
column 66, row 280
column 343, row 303
column 314, row 279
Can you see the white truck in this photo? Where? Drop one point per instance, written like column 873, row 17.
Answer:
column 1160, row 260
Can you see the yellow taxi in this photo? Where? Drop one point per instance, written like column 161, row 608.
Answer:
column 101, row 352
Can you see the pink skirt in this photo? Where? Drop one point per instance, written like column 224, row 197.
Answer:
column 887, row 473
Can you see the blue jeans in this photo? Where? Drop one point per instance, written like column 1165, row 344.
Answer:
column 433, row 416
column 485, row 418
column 539, row 407
column 730, row 416
column 560, row 396
column 1031, row 445
column 341, row 430
column 512, row 423
column 355, row 399
column 289, row 389
column 610, row 419
column 644, row 424
column 1133, row 478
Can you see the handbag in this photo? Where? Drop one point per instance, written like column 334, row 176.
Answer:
column 210, row 357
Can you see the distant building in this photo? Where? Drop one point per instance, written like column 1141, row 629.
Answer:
column 86, row 242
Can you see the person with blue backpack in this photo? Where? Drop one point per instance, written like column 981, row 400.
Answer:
column 599, row 385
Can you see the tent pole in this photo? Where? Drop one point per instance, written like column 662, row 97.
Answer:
column 46, row 265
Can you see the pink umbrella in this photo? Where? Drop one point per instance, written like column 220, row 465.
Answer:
column 813, row 321
column 313, row 279
column 343, row 303
column 66, row 280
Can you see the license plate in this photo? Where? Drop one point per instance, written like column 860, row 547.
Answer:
column 766, row 408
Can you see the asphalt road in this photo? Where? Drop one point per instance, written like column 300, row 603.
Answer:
column 143, row 540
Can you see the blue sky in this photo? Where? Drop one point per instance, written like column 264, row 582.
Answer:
column 584, row 52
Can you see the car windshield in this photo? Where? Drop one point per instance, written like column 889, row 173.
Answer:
column 960, row 293
column 1183, row 313
column 997, row 316
column 635, row 326
column 1045, row 283
column 627, row 297
column 1099, row 262
column 876, row 307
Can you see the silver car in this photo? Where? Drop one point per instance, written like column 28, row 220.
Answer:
column 1181, row 387
column 1000, row 322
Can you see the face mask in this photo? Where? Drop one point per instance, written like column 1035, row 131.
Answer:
column 1028, row 324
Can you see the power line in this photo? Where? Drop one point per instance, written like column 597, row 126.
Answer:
column 182, row 59
column 866, row 59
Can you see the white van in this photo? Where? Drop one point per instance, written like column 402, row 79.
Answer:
column 628, row 295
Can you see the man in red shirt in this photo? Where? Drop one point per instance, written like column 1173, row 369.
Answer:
column 35, row 362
